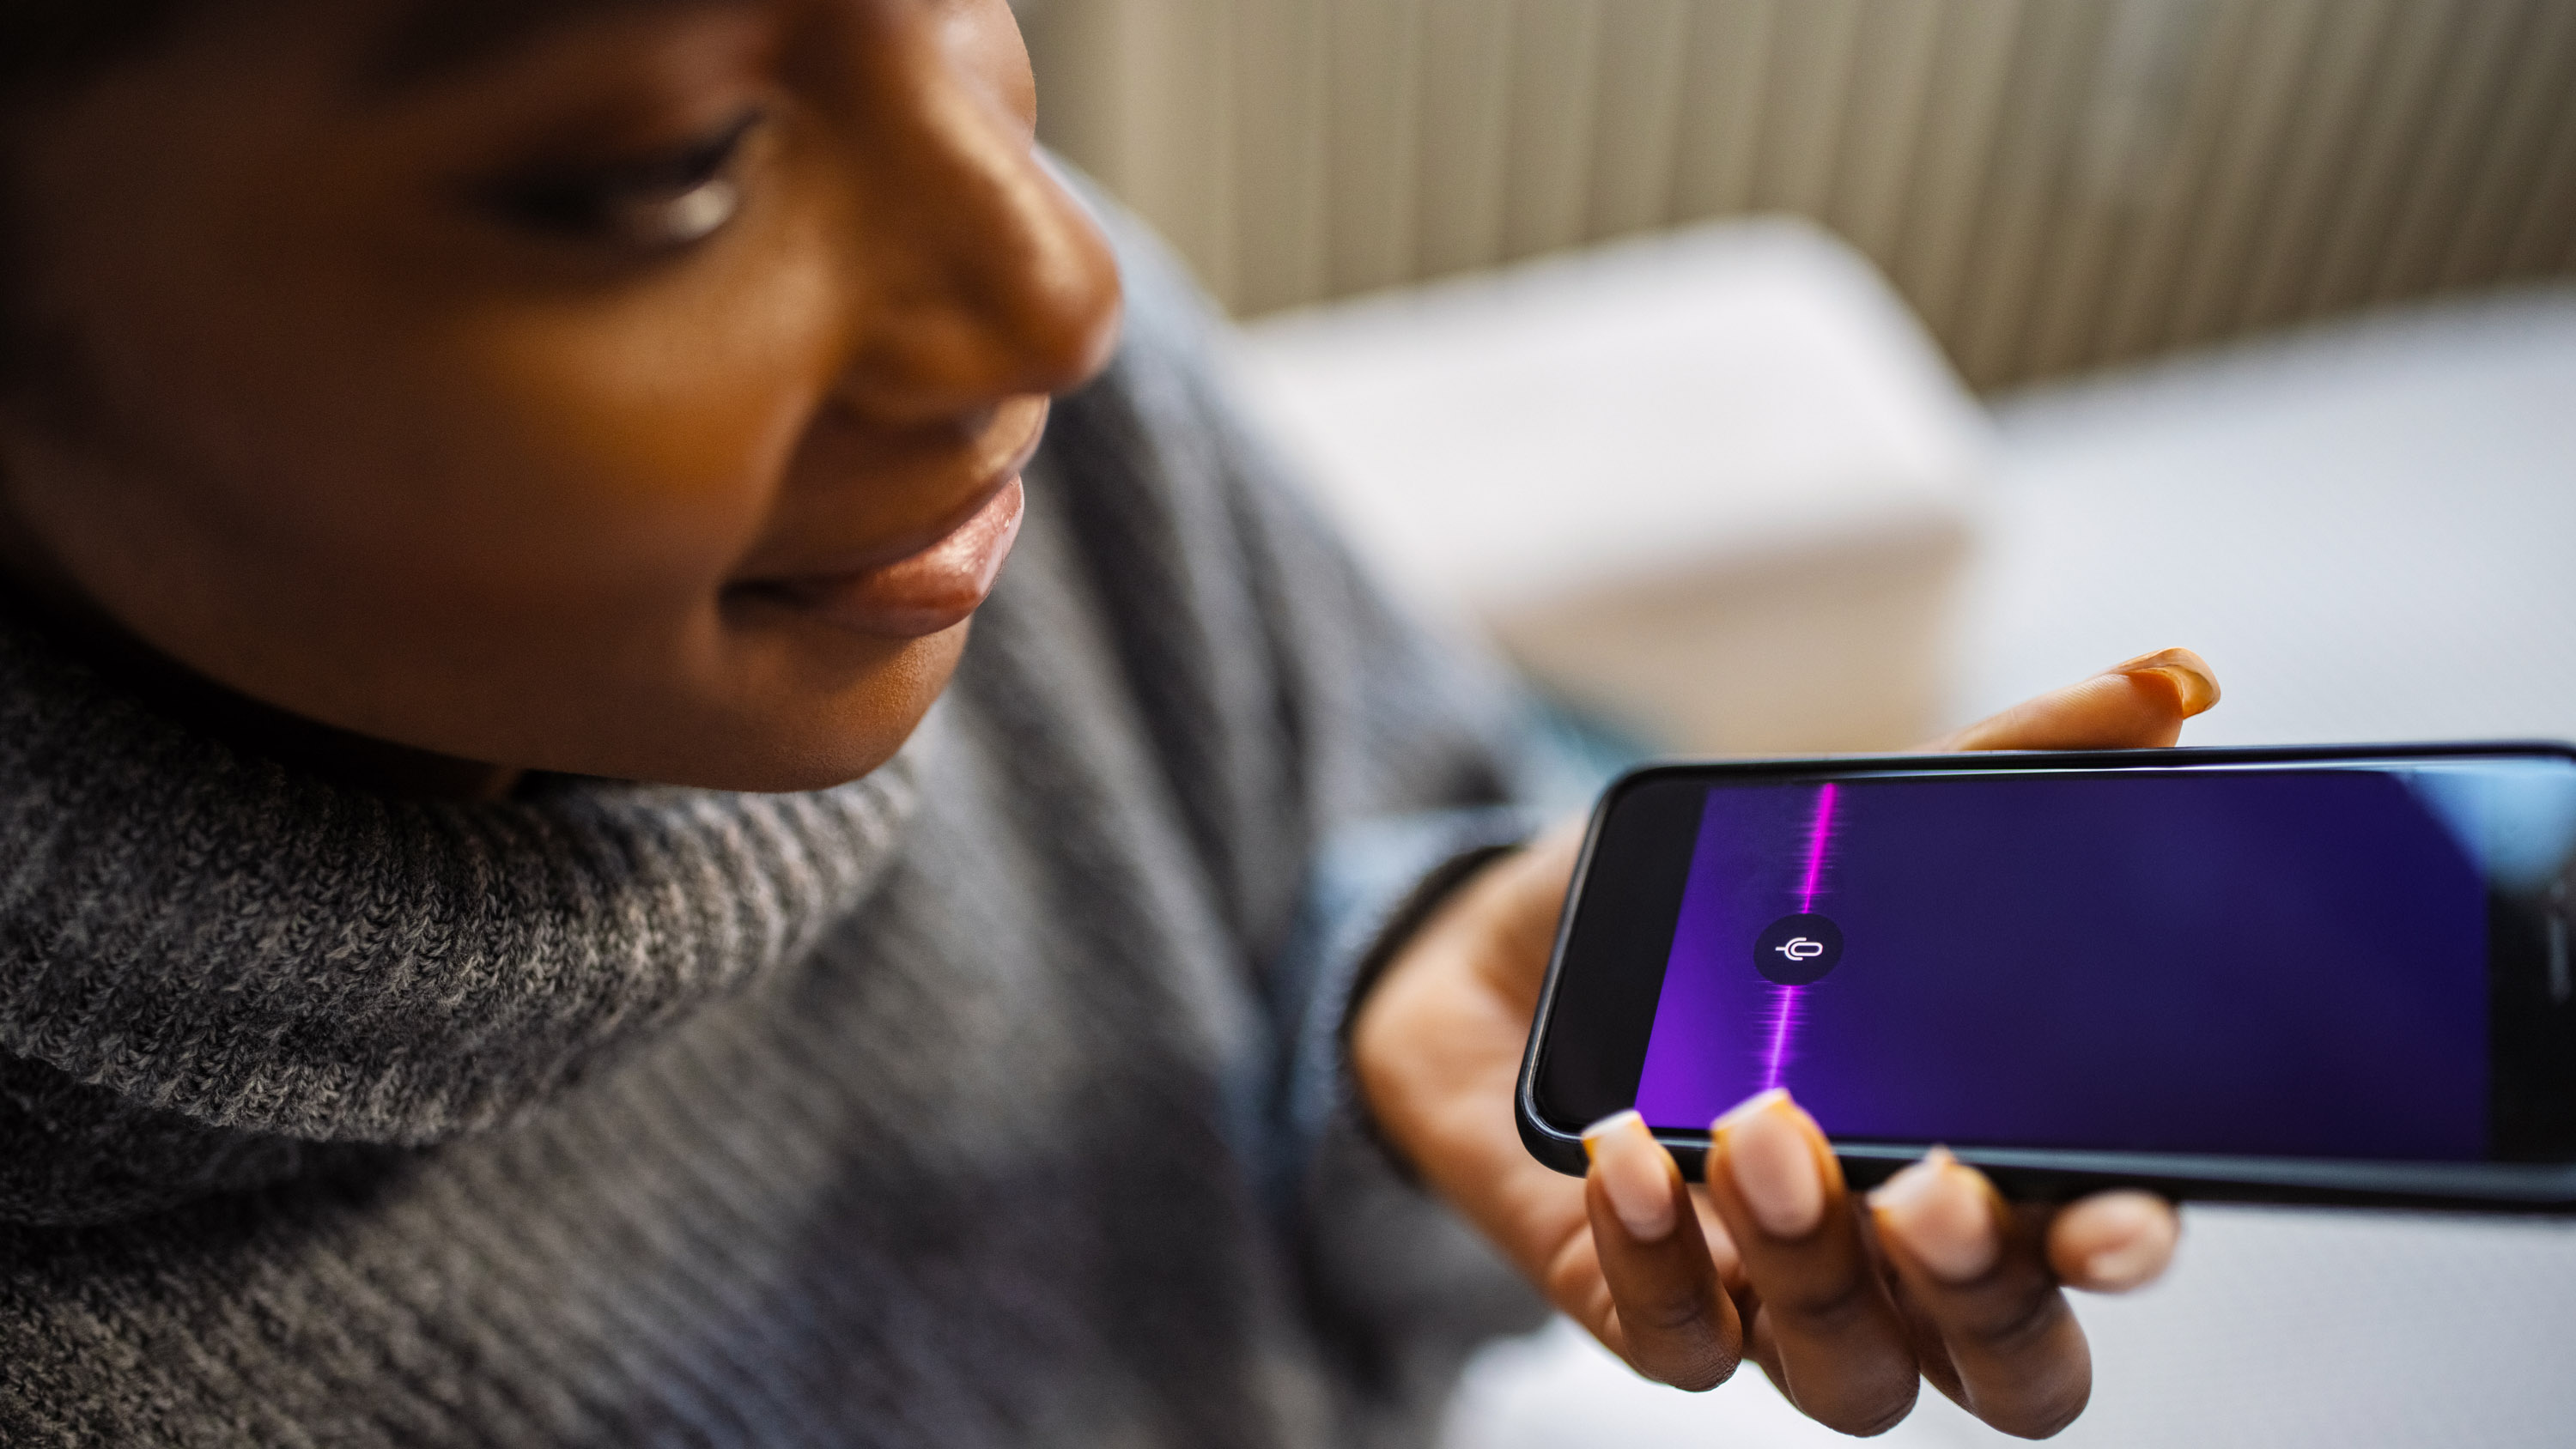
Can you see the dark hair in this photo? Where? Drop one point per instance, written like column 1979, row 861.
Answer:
column 50, row 43
column 46, row 48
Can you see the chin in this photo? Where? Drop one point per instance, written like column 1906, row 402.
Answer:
column 799, row 739
column 779, row 760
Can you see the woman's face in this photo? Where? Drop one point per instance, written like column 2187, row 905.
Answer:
column 621, row 387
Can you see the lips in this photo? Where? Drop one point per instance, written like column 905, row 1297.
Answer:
column 931, row 588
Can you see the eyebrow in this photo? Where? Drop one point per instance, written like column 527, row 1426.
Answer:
column 438, row 39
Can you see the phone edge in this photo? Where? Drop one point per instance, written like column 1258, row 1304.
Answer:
column 2050, row 1175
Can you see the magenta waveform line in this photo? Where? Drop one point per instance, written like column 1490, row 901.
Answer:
column 1784, row 1008
column 1784, row 999
column 1816, row 833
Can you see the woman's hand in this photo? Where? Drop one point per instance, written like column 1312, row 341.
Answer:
column 1846, row 1308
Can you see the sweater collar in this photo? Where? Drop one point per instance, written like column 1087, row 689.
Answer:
column 204, row 939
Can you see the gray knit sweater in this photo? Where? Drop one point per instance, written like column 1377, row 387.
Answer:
column 987, row 1100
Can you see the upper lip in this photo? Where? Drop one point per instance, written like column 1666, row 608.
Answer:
column 826, row 566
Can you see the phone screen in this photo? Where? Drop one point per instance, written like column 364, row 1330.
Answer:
column 2273, row 960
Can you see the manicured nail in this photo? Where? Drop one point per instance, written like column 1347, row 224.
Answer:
column 1636, row 1173
column 1773, row 1162
column 2117, row 1270
column 2138, row 1242
column 1941, row 1212
column 2195, row 687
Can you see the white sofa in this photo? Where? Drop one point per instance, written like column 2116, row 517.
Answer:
column 1715, row 484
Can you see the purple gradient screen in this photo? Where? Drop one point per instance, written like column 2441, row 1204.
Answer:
column 2283, row 963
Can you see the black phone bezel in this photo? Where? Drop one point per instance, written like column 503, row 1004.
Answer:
column 1631, row 882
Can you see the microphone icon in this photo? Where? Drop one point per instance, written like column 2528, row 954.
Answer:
column 1798, row 950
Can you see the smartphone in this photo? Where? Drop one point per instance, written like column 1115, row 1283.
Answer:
column 2293, row 975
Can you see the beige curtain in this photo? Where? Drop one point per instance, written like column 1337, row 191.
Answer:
column 2054, row 184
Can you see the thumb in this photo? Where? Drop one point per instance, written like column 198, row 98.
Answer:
column 2133, row 705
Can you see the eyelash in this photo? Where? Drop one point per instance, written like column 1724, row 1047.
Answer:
column 655, row 203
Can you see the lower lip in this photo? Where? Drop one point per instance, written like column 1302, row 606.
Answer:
column 921, row 593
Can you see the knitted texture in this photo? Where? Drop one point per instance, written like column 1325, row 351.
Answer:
column 950, row 1107
column 214, row 936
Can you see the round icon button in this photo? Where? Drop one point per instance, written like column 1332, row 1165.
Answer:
column 1797, row 950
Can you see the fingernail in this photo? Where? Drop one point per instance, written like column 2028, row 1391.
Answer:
column 1636, row 1173
column 2195, row 687
column 2117, row 1270
column 1940, row 1211
column 1773, row 1162
column 2139, row 1248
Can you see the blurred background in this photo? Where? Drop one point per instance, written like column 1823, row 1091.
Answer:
column 1787, row 375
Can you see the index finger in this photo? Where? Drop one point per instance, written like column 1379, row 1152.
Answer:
column 1666, row 1311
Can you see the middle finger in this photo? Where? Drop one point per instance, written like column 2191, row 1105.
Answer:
column 1975, row 1270
column 1844, row 1357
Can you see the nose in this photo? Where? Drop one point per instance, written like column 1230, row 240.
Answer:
column 975, row 274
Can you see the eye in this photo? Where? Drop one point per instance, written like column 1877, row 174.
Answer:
column 653, row 202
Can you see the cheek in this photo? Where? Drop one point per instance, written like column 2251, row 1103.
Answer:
column 650, row 435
